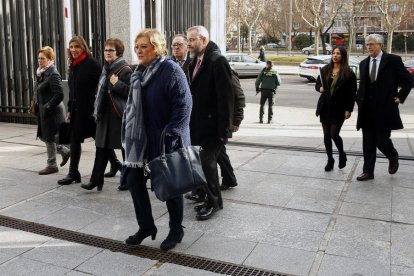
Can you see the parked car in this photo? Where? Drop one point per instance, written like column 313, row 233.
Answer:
column 272, row 45
column 409, row 65
column 244, row 64
column 310, row 67
column 311, row 49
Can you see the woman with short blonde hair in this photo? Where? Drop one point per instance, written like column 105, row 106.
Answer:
column 159, row 98
column 49, row 96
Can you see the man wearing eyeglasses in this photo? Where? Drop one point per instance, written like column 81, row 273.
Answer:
column 378, row 98
column 180, row 52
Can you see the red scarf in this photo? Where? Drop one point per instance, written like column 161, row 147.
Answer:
column 79, row 59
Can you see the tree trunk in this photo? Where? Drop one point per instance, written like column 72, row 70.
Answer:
column 389, row 39
column 250, row 40
column 238, row 37
column 316, row 42
column 350, row 41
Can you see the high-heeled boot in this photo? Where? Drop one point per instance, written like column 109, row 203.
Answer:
column 174, row 236
column 91, row 186
column 142, row 234
column 329, row 166
column 72, row 176
column 115, row 167
column 342, row 160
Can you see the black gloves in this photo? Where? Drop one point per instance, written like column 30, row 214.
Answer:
column 257, row 90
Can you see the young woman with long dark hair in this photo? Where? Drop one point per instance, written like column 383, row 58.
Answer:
column 337, row 85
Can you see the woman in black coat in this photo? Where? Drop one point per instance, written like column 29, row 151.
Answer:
column 49, row 96
column 83, row 80
column 337, row 85
column 111, row 97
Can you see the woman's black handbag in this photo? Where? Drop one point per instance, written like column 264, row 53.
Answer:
column 118, row 104
column 176, row 173
column 63, row 136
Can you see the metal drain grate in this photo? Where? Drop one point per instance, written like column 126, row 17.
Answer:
column 140, row 251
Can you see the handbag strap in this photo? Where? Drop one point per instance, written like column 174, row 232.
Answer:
column 162, row 141
column 120, row 70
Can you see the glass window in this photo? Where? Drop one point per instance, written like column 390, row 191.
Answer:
column 249, row 59
column 236, row 59
column 395, row 7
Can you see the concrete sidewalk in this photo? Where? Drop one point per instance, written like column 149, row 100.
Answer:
column 286, row 215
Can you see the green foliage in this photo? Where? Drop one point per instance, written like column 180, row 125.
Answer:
column 301, row 41
column 398, row 43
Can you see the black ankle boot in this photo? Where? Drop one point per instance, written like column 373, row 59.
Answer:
column 174, row 236
column 73, row 176
column 91, row 186
column 342, row 161
column 329, row 166
column 139, row 236
column 114, row 169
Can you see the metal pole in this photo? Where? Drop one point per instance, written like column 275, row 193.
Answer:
column 290, row 28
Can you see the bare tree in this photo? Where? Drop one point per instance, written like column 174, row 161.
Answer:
column 233, row 19
column 249, row 12
column 318, row 14
column 350, row 12
column 392, row 12
column 272, row 20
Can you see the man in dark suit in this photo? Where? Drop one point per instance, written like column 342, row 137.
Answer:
column 227, row 172
column 180, row 51
column 378, row 98
column 211, row 116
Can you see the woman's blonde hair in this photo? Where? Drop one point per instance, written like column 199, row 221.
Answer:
column 156, row 39
column 48, row 52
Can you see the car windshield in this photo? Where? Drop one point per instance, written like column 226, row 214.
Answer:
column 317, row 61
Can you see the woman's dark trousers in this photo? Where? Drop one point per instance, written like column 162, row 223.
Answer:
column 102, row 156
column 137, row 186
column 75, row 154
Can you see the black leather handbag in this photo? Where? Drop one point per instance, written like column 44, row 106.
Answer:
column 176, row 173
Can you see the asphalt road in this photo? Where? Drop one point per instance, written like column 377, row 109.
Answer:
column 298, row 92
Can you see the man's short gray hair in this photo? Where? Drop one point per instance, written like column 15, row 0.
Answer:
column 201, row 31
column 180, row 35
column 376, row 37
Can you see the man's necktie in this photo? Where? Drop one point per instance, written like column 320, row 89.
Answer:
column 373, row 70
column 196, row 67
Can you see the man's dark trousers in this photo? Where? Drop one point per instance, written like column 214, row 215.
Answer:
column 269, row 96
column 209, row 155
column 373, row 138
column 227, row 172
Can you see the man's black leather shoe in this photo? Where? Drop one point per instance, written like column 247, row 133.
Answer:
column 206, row 212
column 365, row 176
column 225, row 186
column 197, row 208
column 194, row 197
column 394, row 164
